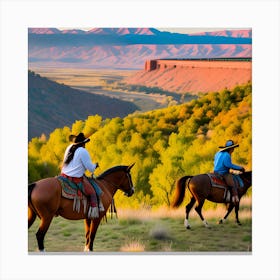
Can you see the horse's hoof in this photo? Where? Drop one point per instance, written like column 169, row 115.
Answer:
column 88, row 249
column 222, row 221
column 187, row 225
column 239, row 223
column 206, row 224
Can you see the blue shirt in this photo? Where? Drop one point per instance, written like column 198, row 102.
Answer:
column 222, row 163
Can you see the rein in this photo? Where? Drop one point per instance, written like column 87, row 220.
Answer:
column 247, row 180
column 122, row 179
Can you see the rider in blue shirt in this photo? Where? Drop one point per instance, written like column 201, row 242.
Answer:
column 223, row 164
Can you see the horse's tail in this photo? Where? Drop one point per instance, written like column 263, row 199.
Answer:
column 30, row 189
column 31, row 210
column 180, row 191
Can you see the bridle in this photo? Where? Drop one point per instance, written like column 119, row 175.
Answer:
column 117, row 186
column 246, row 180
column 131, row 187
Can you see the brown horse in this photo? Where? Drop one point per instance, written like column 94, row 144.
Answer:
column 200, row 189
column 45, row 201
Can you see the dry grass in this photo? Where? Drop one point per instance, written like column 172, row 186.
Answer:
column 148, row 214
column 145, row 214
column 133, row 246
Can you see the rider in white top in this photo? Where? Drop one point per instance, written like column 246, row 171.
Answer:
column 76, row 162
column 79, row 164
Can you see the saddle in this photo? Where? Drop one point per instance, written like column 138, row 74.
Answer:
column 219, row 182
column 75, row 190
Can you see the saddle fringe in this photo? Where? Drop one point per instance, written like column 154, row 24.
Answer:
column 93, row 212
column 77, row 203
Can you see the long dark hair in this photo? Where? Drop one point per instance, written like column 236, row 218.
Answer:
column 72, row 151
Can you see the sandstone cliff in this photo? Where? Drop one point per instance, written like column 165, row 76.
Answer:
column 193, row 76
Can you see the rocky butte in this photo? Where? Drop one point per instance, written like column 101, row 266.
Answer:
column 194, row 75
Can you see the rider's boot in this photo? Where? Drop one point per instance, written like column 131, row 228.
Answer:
column 93, row 211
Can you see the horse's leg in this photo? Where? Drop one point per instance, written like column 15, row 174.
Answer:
column 87, row 231
column 230, row 207
column 188, row 209
column 198, row 209
column 31, row 217
column 43, row 228
column 236, row 207
column 93, row 229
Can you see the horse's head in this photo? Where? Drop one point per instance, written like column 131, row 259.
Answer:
column 120, row 178
column 247, row 178
column 127, row 186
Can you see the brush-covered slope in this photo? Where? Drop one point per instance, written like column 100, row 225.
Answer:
column 52, row 105
column 165, row 144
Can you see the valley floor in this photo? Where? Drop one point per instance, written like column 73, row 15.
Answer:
column 97, row 80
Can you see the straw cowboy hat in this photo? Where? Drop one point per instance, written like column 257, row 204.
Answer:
column 79, row 139
column 229, row 144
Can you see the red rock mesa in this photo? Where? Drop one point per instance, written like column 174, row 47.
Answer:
column 194, row 75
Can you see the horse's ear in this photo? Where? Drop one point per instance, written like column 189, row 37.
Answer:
column 129, row 167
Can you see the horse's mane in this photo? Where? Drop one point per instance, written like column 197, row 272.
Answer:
column 112, row 170
column 247, row 174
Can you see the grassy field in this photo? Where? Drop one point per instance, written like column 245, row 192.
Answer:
column 158, row 231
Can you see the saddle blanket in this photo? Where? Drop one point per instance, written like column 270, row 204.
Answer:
column 76, row 191
column 69, row 189
column 219, row 182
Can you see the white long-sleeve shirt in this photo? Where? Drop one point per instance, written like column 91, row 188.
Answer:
column 79, row 164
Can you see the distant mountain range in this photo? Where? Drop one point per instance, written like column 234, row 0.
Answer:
column 52, row 105
column 142, row 31
column 129, row 47
column 98, row 31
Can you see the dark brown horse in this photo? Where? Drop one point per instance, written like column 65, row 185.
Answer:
column 45, row 201
column 200, row 189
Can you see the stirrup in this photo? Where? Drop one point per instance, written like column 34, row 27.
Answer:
column 235, row 198
column 93, row 212
column 101, row 207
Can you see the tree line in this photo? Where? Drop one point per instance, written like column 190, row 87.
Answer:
column 165, row 144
